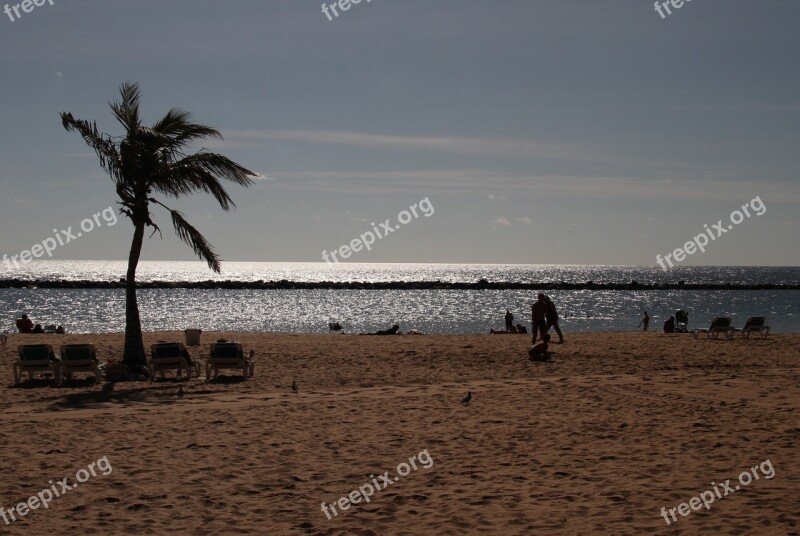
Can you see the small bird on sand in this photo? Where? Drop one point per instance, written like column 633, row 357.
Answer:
column 295, row 388
column 467, row 398
column 180, row 391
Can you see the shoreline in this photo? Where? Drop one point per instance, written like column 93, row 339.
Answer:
column 386, row 285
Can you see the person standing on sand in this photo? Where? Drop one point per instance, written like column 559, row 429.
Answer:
column 551, row 316
column 538, row 314
column 645, row 321
column 509, row 321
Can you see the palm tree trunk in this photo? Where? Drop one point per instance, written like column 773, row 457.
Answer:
column 133, row 354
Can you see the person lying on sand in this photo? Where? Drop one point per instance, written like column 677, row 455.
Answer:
column 539, row 352
column 394, row 330
column 514, row 330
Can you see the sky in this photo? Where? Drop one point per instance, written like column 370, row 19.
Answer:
column 532, row 131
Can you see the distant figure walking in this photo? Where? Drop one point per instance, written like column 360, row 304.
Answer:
column 552, row 319
column 645, row 321
column 509, row 321
column 538, row 317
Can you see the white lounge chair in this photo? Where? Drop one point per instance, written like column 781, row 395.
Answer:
column 229, row 355
column 79, row 358
column 754, row 324
column 170, row 356
column 718, row 325
column 36, row 358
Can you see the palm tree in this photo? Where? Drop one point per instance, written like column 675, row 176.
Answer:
column 152, row 160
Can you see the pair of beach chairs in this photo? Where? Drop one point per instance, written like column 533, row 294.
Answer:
column 74, row 358
column 166, row 356
column 722, row 325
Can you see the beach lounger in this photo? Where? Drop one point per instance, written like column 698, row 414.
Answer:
column 170, row 356
column 79, row 358
column 36, row 358
column 229, row 355
column 718, row 325
column 754, row 323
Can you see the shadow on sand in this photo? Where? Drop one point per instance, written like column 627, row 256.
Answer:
column 109, row 394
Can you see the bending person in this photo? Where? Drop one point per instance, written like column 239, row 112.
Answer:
column 539, row 352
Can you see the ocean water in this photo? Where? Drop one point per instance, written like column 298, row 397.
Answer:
column 374, row 272
column 430, row 311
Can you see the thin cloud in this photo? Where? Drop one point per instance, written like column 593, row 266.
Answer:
column 479, row 180
column 459, row 145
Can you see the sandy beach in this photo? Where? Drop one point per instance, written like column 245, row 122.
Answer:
column 618, row 427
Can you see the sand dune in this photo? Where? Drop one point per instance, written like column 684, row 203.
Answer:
column 619, row 426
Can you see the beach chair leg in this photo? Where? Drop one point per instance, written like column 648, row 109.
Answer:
column 16, row 374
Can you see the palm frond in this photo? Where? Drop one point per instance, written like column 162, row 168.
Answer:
column 178, row 125
column 188, row 180
column 127, row 110
column 195, row 240
column 103, row 145
column 202, row 172
column 219, row 166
